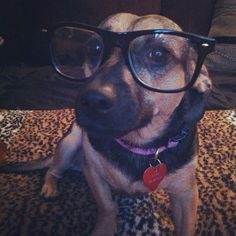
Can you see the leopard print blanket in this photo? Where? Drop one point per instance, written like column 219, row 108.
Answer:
column 27, row 135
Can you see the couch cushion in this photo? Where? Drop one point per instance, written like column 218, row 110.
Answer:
column 223, row 59
column 224, row 19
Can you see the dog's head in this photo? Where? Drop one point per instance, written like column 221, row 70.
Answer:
column 113, row 103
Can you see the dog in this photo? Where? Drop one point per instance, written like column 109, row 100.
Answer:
column 120, row 123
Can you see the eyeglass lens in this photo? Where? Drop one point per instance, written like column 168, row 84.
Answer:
column 77, row 53
column 161, row 60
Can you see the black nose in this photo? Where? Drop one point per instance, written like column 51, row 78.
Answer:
column 96, row 101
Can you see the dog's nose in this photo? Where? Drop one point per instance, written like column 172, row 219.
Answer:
column 97, row 101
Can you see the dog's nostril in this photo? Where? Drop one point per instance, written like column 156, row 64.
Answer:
column 97, row 101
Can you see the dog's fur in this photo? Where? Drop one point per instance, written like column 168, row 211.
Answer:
column 142, row 118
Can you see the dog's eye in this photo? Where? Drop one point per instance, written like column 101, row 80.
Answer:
column 159, row 56
column 65, row 58
column 94, row 49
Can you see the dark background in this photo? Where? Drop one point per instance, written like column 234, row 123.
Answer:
column 21, row 21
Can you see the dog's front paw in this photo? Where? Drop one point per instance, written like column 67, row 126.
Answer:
column 49, row 189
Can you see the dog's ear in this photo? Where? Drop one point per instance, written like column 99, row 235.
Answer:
column 195, row 99
column 203, row 83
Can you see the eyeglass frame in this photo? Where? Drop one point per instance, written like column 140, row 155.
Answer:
column 205, row 45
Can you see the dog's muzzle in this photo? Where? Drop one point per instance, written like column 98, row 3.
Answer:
column 104, row 109
column 98, row 103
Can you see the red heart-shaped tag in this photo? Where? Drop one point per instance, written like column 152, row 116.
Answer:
column 152, row 176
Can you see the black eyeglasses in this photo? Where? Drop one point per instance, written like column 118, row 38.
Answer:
column 154, row 57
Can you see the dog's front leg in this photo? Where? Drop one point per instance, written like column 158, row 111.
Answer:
column 183, row 192
column 106, row 217
column 67, row 150
column 184, row 208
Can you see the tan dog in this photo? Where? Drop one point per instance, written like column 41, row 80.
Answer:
column 153, row 120
column 128, row 135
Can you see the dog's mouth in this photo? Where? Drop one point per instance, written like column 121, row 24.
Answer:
column 112, row 127
column 100, row 131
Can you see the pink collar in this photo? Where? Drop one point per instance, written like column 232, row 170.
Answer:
column 147, row 151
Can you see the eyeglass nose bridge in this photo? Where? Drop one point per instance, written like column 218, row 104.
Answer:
column 120, row 40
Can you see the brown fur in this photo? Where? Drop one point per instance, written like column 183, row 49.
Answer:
column 101, row 174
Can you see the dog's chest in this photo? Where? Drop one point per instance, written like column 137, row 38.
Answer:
column 115, row 177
